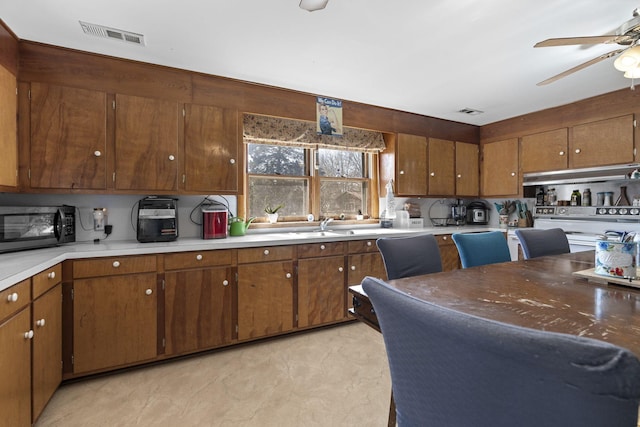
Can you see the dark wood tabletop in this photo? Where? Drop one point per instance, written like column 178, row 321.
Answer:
column 540, row 293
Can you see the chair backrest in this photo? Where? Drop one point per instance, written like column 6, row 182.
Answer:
column 410, row 256
column 537, row 242
column 481, row 248
column 453, row 369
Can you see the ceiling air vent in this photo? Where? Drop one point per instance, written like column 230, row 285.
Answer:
column 112, row 33
column 470, row 111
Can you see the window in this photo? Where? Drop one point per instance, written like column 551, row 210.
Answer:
column 322, row 181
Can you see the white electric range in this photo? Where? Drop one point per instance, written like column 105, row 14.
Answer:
column 584, row 225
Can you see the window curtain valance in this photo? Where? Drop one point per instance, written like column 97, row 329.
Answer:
column 279, row 131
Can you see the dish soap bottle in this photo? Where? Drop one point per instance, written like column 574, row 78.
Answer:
column 576, row 199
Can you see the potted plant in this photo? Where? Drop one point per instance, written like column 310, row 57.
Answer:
column 272, row 213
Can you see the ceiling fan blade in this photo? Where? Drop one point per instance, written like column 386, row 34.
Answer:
column 581, row 66
column 568, row 41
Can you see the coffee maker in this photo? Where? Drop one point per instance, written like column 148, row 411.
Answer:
column 157, row 219
column 459, row 212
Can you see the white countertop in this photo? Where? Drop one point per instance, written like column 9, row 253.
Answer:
column 18, row 266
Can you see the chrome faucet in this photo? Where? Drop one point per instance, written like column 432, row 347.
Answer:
column 324, row 223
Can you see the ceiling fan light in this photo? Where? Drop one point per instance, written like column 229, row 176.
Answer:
column 312, row 5
column 629, row 59
column 633, row 73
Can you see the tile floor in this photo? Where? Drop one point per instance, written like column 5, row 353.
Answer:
column 336, row 376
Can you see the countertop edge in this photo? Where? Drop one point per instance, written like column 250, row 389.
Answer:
column 18, row 266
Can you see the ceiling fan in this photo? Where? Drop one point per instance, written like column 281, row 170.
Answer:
column 627, row 34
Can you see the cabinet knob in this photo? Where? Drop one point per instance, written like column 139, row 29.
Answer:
column 353, row 268
column 52, row 275
column 12, row 297
column 172, row 157
column 459, row 175
column 432, row 174
column 578, row 151
column 148, row 291
column 369, row 243
column 266, row 251
column 28, row 335
column 444, row 237
column 401, row 172
column 97, row 153
column 116, row 264
column 225, row 283
column 40, row 322
column 232, row 161
column 288, row 275
column 513, row 174
column 340, row 269
column 199, row 257
column 561, row 153
column 323, row 247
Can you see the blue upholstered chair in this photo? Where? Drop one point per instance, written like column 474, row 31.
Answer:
column 481, row 248
column 410, row 256
column 453, row 369
column 538, row 242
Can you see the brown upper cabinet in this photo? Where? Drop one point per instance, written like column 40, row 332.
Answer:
column 411, row 165
column 545, row 151
column 211, row 149
column 601, row 143
column 8, row 129
column 146, row 140
column 441, row 167
column 467, row 169
column 500, row 168
column 68, row 141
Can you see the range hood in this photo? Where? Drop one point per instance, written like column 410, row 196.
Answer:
column 584, row 175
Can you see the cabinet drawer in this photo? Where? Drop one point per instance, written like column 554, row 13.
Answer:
column 359, row 246
column 19, row 292
column 46, row 280
column 114, row 265
column 266, row 253
column 314, row 250
column 183, row 260
column 444, row 239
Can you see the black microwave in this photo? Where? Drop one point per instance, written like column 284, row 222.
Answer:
column 30, row 227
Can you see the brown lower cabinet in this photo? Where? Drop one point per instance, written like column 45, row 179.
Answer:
column 448, row 252
column 115, row 313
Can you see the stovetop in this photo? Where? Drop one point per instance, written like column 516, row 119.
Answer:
column 603, row 213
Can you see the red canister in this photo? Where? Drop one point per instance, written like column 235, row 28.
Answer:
column 214, row 222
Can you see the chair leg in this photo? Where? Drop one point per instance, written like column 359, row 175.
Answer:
column 392, row 412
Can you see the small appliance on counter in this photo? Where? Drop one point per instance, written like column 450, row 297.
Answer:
column 477, row 213
column 459, row 212
column 30, row 227
column 157, row 219
column 214, row 222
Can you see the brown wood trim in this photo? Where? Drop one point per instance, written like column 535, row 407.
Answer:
column 8, row 49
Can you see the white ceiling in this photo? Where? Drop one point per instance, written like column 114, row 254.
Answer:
column 431, row 57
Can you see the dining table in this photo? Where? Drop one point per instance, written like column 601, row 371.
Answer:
column 546, row 293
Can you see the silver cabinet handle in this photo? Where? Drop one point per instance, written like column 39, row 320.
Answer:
column 148, row 291
column 40, row 322
column 171, row 157
column 199, row 257
column 97, row 153
column 225, row 283
column 52, row 275
column 116, row 264
column 12, row 297
column 232, row 161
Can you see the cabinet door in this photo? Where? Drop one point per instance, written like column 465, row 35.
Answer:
column 500, row 168
column 265, row 299
column 467, row 169
column 15, row 362
column 198, row 309
column 8, row 129
column 361, row 265
column 448, row 252
column 68, row 137
column 606, row 142
column 321, row 294
column 411, row 165
column 47, row 347
column 441, row 167
column 211, row 149
column 114, row 321
column 146, row 144
column 544, row 151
